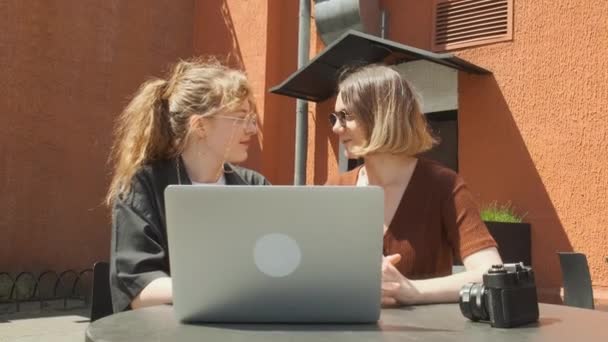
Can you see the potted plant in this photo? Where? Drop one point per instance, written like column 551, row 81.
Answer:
column 509, row 230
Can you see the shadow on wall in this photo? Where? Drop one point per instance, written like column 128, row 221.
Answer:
column 324, row 139
column 497, row 165
column 215, row 35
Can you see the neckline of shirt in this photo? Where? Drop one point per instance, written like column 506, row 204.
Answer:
column 220, row 181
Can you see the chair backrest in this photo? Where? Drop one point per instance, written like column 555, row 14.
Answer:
column 577, row 280
column 101, row 301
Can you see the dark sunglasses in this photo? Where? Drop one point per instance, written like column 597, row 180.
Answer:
column 339, row 116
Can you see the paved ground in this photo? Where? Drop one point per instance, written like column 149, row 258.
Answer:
column 52, row 323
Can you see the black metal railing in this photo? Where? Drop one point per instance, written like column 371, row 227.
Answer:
column 46, row 286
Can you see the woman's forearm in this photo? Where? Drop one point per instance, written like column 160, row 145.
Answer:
column 447, row 289
column 444, row 289
column 158, row 292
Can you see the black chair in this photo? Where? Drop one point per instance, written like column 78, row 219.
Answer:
column 577, row 280
column 101, row 299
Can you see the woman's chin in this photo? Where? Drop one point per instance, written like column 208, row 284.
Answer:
column 350, row 155
column 236, row 158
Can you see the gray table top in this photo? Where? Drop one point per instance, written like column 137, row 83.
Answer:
column 417, row 323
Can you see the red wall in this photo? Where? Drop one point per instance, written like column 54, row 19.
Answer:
column 68, row 68
column 535, row 133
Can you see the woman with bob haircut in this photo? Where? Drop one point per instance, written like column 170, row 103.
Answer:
column 430, row 217
column 186, row 129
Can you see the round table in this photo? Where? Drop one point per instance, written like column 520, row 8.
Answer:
column 416, row 323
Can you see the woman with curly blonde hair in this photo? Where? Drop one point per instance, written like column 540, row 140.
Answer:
column 186, row 129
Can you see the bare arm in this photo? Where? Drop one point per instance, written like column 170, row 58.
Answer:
column 158, row 292
column 446, row 289
column 399, row 290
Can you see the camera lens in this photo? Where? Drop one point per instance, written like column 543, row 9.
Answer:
column 473, row 302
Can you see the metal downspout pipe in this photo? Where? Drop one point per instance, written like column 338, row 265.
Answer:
column 302, row 105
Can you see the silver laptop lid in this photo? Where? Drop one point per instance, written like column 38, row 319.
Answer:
column 275, row 253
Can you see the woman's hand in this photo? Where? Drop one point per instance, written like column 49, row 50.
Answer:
column 396, row 288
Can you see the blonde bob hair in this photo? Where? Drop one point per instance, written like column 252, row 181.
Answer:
column 155, row 125
column 387, row 107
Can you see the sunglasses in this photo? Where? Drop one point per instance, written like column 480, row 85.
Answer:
column 339, row 116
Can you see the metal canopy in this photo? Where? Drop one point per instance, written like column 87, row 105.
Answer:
column 317, row 81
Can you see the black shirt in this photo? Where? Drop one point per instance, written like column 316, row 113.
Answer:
column 140, row 252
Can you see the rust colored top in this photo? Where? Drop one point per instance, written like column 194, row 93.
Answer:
column 436, row 222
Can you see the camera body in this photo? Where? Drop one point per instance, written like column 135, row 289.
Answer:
column 507, row 298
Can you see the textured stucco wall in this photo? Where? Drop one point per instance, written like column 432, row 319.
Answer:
column 68, row 68
column 279, row 111
column 536, row 133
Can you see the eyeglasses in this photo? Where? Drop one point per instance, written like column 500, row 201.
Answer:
column 249, row 119
column 340, row 116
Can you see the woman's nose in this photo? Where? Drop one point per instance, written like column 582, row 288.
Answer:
column 251, row 128
column 337, row 128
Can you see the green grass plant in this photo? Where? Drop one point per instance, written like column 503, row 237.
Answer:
column 495, row 212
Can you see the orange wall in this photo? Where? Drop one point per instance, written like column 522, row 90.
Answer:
column 409, row 21
column 279, row 111
column 535, row 132
column 68, row 67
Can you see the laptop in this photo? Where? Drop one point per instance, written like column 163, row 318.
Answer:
column 275, row 254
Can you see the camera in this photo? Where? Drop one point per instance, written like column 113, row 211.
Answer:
column 507, row 298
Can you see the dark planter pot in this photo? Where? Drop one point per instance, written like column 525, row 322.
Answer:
column 514, row 241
